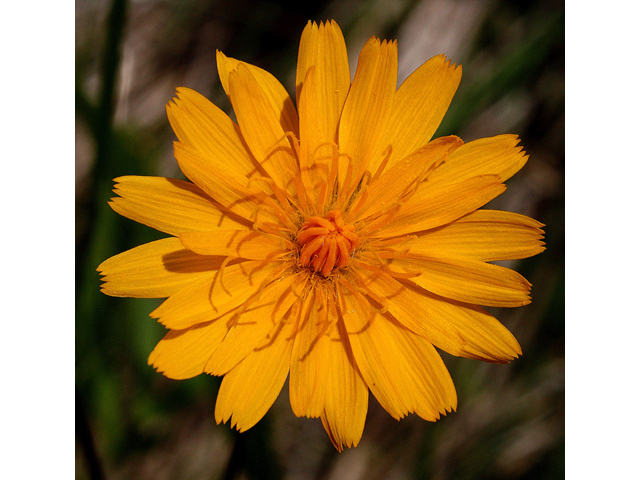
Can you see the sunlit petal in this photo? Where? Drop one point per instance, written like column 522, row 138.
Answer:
column 261, row 127
column 401, row 369
column 457, row 328
column 168, row 205
column 484, row 235
column 324, row 380
column 468, row 281
column 412, row 125
column 155, row 270
column 250, row 388
column 212, row 295
column 498, row 155
column 323, row 71
column 368, row 106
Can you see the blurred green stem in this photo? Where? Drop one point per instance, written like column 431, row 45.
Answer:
column 100, row 120
column 85, row 439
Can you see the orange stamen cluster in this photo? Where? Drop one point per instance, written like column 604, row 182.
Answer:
column 326, row 243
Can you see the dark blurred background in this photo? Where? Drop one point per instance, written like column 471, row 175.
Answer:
column 132, row 422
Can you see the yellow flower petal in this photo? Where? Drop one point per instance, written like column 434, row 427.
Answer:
column 243, row 199
column 457, row 328
column 168, row 205
column 251, row 325
column 347, row 397
column 184, row 353
column 155, row 270
column 315, row 150
column 467, row 281
column 322, row 84
column 252, row 245
column 436, row 205
column 308, row 350
column 261, row 128
column 248, row 391
column 274, row 92
column 368, row 106
column 323, row 46
column 484, row 235
column 323, row 380
column 212, row 295
column 402, row 369
column 404, row 177
column 201, row 125
column 498, row 155
column 413, row 124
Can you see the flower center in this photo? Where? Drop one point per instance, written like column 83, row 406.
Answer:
column 326, row 243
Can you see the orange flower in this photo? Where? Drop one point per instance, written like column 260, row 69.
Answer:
column 336, row 244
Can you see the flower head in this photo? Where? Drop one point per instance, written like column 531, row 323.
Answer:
column 336, row 244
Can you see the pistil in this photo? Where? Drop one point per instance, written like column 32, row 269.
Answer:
column 326, row 243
